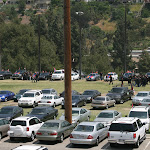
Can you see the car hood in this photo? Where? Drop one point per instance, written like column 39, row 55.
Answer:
column 86, row 96
column 38, row 116
column 103, row 120
column 3, row 95
column 139, row 97
column 113, row 94
column 27, row 98
column 73, row 117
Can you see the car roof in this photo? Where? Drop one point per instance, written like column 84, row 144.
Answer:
column 128, row 120
column 22, row 118
column 90, row 90
column 28, row 147
column 139, row 108
column 48, row 89
column 76, row 108
column 9, row 107
column 32, row 91
column 102, row 96
column 89, row 123
column 42, row 107
column 108, row 111
column 57, row 121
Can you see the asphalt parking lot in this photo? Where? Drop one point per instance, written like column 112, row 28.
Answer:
column 6, row 144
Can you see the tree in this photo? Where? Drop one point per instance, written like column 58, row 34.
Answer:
column 144, row 62
column 21, row 5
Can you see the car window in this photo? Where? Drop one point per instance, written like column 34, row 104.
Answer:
column 67, row 123
column 116, row 113
column 107, row 99
column 17, row 122
column 139, row 123
column 84, row 128
column 1, row 122
column 6, row 121
column 63, row 125
column 99, row 126
column 32, row 122
column 135, row 126
column 36, row 121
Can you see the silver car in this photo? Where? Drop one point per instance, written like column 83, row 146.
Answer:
column 78, row 115
column 4, row 127
column 145, row 102
column 140, row 96
column 103, row 102
column 108, row 116
column 88, row 133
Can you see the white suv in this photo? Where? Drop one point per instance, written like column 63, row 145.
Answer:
column 30, row 147
column 58, row 75
column 30, row 98
column 126, row 130
column 141, row 112
column 24, row 127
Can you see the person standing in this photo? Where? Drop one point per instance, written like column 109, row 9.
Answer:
column 111, row 80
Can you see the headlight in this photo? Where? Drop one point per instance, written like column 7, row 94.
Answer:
column 73, row 121
column 88, row 98
column 3, row 96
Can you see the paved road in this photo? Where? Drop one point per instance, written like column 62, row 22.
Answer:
column 6, row 144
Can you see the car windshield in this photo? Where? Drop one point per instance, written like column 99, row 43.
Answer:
column 47, row 97
column 142, row 94
column 50, row 125
column 100, row 98
column 21, row 92
column 127, row 74
column 38, row 111
column 6, row 111
column 75, row 98
column 92, row 74
column 57, row 72
column 122, row 127
column 116, row 90
column 28, row 95
column 146, row 100
column 3, row 92
column 110, row 74
column 105, row 115
column 17, row 122
column 139, row 114
column 88, row 92
column 84, row 128
column 75, row 112
column 46, row 91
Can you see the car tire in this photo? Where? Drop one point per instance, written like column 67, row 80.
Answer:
column 88, row 118
column 137, row 143
column 84, row 103
column 34, row 105
column 54, row 117
column 121, row 101
column 97, row 141
column 6, row 99
column 112, row 144
column 114, row 104
column 0, row 136
column 54, row 105
column 107, row 107
column 61, row 138
column 32, row 137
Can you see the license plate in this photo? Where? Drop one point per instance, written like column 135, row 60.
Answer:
column 11, row 134
column 121, row 141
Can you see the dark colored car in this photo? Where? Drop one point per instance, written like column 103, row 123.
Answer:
column 120, row 94
column 19, row 94
column 11, row 112
column 4, row 127
column 89, row 95
column 44, row 76
column 5, row 75
column 127, row 75
column 73, row 92
column 6, row 95
column 44, row 113
column 77, row 101
column 19, row 74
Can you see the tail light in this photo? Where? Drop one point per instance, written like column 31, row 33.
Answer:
column 39, row 133
column 134, row 135
column 139, row 103
column 53, row 133
column 91, row 99
column 39, row 102
column 27, row 129
column 90, row 137
column 148, row 104
column 108, row 134
column 49, row 102
column 71, row 136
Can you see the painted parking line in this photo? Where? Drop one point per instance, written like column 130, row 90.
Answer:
column 146, row 145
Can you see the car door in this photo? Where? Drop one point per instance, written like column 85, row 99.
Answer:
column 83, row 115
column 141, row 128
column 101, row 131
column 6, row 126
column 64, row 129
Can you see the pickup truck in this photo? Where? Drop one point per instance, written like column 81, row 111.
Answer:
column 120, row 94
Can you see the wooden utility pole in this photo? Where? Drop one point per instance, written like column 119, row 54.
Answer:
column 67, row 52
column 39, row 35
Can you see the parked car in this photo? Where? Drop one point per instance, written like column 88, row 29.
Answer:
column 108, row 116
column 113, row 74
column 20, row 94
column 77, row 101
column 44, row 113
column 5, row 75
column 126, row 130
column 18, row 74
column 103, row 102
column 73, row 92
column 4, row 127
column 145, row 102
column 78, row 115
column 93, row 77
column 127, row 75
column 25, row 127
column 51, row 100
column 44, row 76
column 120, row 94
column 89, row 95
column 143, row 113
column 90, row 133
column 10, row 112
column 47, row 92
column 58, row 75
column 30, row 98
column 54, row 130
column 6, row 96
column 74, row 76
column 30, row 147
column 140, row 96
